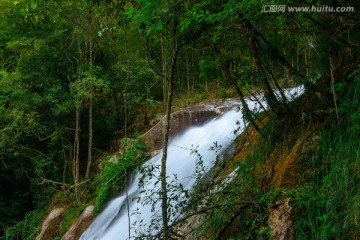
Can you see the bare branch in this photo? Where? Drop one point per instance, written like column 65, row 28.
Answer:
column 44, row 181
column 149, row 62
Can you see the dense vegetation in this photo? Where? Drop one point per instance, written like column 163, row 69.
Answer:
column 315, row 164
column 76, row 76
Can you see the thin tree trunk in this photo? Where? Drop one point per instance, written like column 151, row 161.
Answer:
column 76, row 164
column 247, row 112
column 166, row 128
column 297, row 56
column 117, row 112
column 65, row 160
column 268, row 92
column 285, row 70
column 333, row 90
column 284, row 99
column 88, row 167
column 257, row 100
column 275, row 53
column 125, row 130
column 227, row 71
column 230, row 222
column 163, row 54
column 306, row 64
column 187, row 72
column 77, row 150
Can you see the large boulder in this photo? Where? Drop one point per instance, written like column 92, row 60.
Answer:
column 50, row 226
column 79, row 226
column 191, row 116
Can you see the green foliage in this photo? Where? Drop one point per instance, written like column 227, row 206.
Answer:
column 327, row 206
column 73, row 211
column 114, row 172
column 29, row 227
column 244, row 184
column 326, row 201
column 179, row 196
column 89, row 84
column 209, row 69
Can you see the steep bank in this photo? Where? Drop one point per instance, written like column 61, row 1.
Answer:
column 298, row 181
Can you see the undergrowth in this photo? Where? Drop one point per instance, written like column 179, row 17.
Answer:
column 113, row 173
column 327, row 206
column 326, row 193
column 109, row 182
column 28, row 228
column 243, row 211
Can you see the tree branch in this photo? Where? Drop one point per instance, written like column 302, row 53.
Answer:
column 201, row 211
column 149, row 62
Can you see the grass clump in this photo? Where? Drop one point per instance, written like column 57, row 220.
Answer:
column 327, row 206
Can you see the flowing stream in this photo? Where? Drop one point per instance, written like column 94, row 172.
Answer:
column 112, row 222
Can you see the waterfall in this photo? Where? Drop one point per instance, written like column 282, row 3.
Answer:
column 112, row 222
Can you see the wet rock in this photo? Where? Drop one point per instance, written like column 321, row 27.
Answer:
column 50, row 226
column 191, row 116
column 281, row 221
column 79, row 226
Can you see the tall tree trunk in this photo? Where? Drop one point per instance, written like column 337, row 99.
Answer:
column 164, row 73
column 125, row 128
column 77, row 150
column 88, row 167
column 76, row 164
column 91, row 60
column 166, row 127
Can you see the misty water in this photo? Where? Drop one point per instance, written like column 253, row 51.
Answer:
column 112, row 222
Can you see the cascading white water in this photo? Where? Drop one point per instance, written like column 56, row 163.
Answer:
column 112, row 222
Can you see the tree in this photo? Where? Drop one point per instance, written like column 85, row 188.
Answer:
column 171, row 22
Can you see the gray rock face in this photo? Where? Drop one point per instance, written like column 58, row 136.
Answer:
column 50, row 226
column 191, row 116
